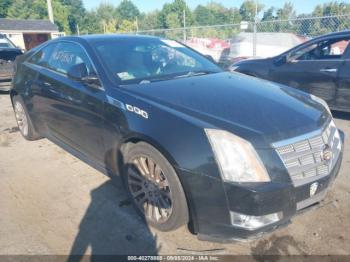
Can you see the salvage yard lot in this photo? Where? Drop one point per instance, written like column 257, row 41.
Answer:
column 53, row 203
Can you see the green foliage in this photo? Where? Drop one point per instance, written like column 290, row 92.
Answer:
column 4, row 6
column 248, row 10
column 126, row 26
column 149, row 20
column 215, row 14
column 76, row 14
column 179, row 8
column 127, row 10
column 37, row 9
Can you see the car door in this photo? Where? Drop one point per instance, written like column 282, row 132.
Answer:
column 74, row 111
column 343, row 92
column 314, row 68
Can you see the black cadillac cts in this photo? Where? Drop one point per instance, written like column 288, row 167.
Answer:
column 229, row 154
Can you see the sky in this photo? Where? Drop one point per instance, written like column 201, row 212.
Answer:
column 301, row 6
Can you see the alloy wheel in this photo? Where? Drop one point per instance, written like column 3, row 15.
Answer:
column 21, row 118
column 150, row 189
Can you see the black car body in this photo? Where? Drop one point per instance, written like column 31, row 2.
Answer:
column 320, row 66
column 192, row 120
column 8, row 54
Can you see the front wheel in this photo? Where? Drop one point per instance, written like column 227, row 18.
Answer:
column 155, row 188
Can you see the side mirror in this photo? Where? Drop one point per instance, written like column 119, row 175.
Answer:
column 281, row 60
column 77, row 72
column 210, row 58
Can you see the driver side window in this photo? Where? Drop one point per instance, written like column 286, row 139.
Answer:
column 327, row 49
column 66, row 55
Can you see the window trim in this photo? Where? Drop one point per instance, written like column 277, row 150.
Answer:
column 317, row 41
column 61, row 74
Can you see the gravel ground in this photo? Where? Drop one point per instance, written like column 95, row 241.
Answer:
column 52, row 203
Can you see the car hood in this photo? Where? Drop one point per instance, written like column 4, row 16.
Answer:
column 9, row 54
column 254, row 61
column 261, row 112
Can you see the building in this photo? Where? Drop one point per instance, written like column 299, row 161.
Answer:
column 267, row 44
column 28, row 33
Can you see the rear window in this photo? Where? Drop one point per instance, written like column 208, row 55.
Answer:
column 5, row 43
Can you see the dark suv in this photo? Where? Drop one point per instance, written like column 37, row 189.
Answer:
column 234, row 155
column 320, row 67
column 8, row 54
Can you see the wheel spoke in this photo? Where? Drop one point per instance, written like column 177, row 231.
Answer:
column 142, row 200
column 134, row 175
column 151, row 167
column 156, row 214
column 149, row 209
column 138, row 192
column 157, row 173
column 143, row 163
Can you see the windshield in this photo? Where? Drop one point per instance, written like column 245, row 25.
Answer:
column 143, row 60
column 5, row 43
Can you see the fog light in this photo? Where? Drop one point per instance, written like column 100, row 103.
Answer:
column 253, row 222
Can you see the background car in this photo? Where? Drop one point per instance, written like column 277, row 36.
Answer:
column 8, row 54
column 320, row 67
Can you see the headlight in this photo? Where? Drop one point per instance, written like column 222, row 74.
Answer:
column 236, row 158
column 253, row 222
column 322, row 102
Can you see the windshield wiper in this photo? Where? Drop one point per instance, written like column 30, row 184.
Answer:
column 195, row 73
column 169, row 77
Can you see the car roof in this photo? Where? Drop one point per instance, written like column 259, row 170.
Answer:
column 344, row 32
column 92, row 38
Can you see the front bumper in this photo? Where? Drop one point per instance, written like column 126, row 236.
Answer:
column 211, row 201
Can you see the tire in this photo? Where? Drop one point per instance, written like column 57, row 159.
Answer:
column 154, row 188
column 23, row 120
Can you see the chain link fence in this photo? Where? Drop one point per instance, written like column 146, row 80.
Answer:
column 231, row 42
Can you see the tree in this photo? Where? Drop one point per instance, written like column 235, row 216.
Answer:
column 107, row 16
column 91, row 24
column 248, row 10
column 269, row 14
column 37, row 9
column 126, row 26
column 76, row 14
column 203, row 16
column 286, row 12
column 149, row 21
column 127, row 10
column 4, row 6
column 60, row 13
column 215, row 14
column 177, row 7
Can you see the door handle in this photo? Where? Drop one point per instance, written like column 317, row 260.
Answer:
column 329, row 70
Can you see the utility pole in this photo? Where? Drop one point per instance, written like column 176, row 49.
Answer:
column 255, row 29
column 49, row 11
column 78, row 31
column 184, row 24
column 137, row 26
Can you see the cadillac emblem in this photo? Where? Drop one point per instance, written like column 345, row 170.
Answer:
column 326, row 154
column 313, row 188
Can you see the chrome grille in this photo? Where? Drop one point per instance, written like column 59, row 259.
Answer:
column 303, row 156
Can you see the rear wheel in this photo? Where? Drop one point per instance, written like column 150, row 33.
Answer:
column 155, row 188
column 24, row 123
